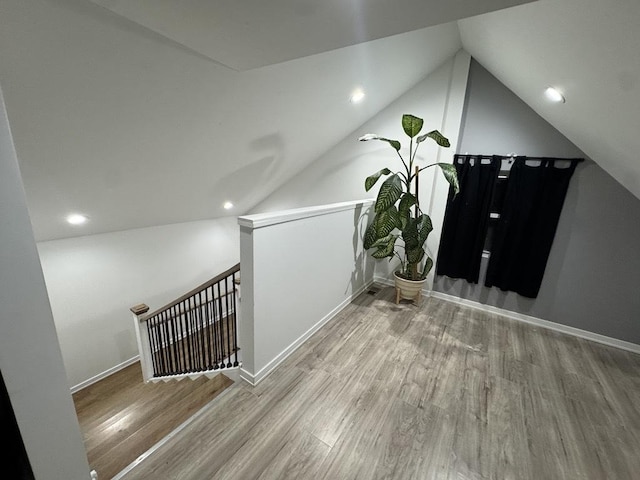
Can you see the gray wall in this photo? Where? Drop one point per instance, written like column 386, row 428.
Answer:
column 593, row 272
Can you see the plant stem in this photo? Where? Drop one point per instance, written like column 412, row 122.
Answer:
column 411, row 154
column 424, row 168
column 402, row 268
column 406, row 167
column 417, row 209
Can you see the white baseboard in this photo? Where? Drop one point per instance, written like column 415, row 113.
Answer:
column 558, row 327
column 248, row 377
column 521, row 317
column 383, row 280
column 229, row 372
column 105, row 374
column 254, row 379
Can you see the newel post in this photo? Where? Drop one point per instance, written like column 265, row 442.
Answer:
column 144, row 347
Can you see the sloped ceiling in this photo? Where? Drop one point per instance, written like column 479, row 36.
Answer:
column 253, row 33
column 139, row 114
column 588, row 49
column 134, row 128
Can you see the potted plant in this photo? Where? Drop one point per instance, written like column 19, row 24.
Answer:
column 399, row 228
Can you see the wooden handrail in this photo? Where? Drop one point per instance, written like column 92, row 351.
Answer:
column 207, row 284
column 139, row 309
column 188, row 310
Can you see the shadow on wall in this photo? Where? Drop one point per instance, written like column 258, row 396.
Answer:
column 349, row 172
column 558, row 254
column 362, row 262
column 334, row 177
column 240, row 185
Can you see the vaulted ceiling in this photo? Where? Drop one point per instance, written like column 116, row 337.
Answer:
column 254, row 33
column 590, row 50
column 142, row 113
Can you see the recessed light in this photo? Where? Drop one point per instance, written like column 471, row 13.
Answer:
column 227, row 205
column 77, row 219
column 554, row 95
column 357, row 96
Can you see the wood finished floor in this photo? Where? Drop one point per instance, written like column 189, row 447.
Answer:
column 436, row 391
column 121, row 417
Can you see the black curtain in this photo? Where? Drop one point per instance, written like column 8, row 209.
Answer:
column 466, row 218
column 524, row 234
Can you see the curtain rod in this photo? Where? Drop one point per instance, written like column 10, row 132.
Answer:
column 514, row 156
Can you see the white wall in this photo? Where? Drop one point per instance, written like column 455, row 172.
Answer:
column 94, row 280
column 30, row 357
column 302, row 267
column 339, row 174
column 136, row 130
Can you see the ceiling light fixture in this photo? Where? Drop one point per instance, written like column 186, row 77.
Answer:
column 357, row 96
column 77, row 219
column 227, row 205
column 554, row 95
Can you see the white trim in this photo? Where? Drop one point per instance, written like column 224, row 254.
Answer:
column 254, row 379
column 247, row 377
column 388, row 281
column 558, row 327
column 392, row 283
column 230, row 372
column 144, row 347
column 105, row 374
column 521, row 317
column 265, row 219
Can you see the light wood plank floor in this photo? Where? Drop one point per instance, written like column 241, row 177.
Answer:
column 121, row 417
column 435, row 391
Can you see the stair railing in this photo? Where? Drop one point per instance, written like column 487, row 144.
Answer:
column 197, row 333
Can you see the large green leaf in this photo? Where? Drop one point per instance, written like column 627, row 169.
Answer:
column 424, row 227
column 389, row 193
column 386, row 221
column 385, row 247
column 415, row 255
column 370, row 235
column 372, row 179
column 411, row 125
column 381, row 242
column 394, row 143
column 450, row 173
column 404, row 209
column 410, row 234
column 372, row 136
column 436, row 136
column 427, row 267
column 407, row 201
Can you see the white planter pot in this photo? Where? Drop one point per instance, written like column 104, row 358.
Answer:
column 408, row 289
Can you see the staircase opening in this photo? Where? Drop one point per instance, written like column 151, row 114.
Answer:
column 188, row 355
column 194, row 334
column 121, row 417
